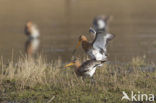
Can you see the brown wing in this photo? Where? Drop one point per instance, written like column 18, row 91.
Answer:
column 86, row 45
column 86, row 65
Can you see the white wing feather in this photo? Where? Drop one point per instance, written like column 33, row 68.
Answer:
column 101, row 41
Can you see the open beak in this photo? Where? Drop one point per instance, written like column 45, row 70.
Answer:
column 68, row 65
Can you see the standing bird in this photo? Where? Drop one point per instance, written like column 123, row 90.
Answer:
column 32, row 43
column 97, row 49
column 86, row 69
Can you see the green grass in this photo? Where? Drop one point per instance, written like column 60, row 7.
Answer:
column 35, row 81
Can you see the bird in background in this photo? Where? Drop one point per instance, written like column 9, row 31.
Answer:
column 32, row 44
column 97, row 49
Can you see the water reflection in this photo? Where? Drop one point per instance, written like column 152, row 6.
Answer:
column 32, row 43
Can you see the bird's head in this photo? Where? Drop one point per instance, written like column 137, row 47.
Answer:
column 29, row 24
column 81, row 39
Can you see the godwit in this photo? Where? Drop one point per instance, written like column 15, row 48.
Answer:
column 86, row 69
column 32, row 43
column 102, row 37
column 97, row 49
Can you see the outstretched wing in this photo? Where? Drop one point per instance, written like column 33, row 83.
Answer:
column 101, row 41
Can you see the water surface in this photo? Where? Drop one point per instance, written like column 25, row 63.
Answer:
column 62, row 21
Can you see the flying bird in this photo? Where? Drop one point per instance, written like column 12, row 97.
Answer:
column 97, row 49
column 102, row 37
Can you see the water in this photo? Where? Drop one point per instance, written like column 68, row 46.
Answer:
column 62, row 21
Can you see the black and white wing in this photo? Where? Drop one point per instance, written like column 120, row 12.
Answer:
column 101, row 41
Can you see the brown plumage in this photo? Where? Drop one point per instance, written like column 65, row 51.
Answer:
column 86, row 45
column 27, row 29
column 89, row 49
column 86, row 69
column 97, row 49
column 32, row 43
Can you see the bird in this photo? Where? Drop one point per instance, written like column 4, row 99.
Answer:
column 86, row 69
column 97, row 49
column 32, row 43
column 102, row 37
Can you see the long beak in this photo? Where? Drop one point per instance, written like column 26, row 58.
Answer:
column 78, row 44
column 70, row 64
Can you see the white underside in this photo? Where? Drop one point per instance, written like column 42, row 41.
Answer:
column 95, row 54
column 91, row 71
column 35, row 44
column 34, row 32
column 101, row 41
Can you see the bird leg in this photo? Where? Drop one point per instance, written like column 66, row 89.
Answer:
column 93, row 81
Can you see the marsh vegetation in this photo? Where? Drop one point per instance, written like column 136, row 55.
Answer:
column 35, row 81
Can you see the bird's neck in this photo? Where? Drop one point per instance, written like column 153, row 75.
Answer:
column 77, row 65
column 86, row 45
column 101, row 31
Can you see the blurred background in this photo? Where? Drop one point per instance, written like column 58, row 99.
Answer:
column 62, row 21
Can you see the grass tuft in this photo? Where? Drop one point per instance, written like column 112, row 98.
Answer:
column 34, row 81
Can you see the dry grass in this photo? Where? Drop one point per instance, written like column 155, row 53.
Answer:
column 35, row 81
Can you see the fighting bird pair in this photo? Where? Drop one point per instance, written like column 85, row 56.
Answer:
column 96, row 50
